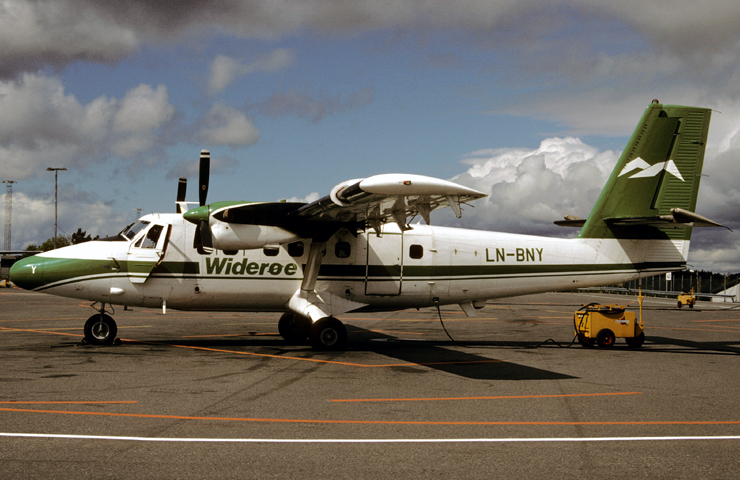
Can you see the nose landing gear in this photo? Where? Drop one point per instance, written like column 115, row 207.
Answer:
column 100, row 329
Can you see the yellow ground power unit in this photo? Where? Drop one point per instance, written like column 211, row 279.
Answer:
column 687, row 299
column 603, row 324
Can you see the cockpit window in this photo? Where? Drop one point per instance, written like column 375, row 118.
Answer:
column 152, row 236
column 131, row 231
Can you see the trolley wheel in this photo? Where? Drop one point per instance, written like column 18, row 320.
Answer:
column 680, row 304
column 585, row 342
column 605, row 338
column 691, row 305
column 636, row 342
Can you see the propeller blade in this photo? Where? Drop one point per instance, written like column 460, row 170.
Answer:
column 182, row 187
column 205, row 166
column 206, row 240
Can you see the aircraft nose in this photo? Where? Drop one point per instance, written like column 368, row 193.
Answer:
column 27, row 273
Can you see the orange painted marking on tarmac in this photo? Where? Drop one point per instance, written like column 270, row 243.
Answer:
column 712, row 321
column 39, row 331
column 392, row 332
column 504, row 397
column 315, row 360
column 42, row 319
column 711, row 330
column 75, row 402
column 234, row 335
column 374, row 422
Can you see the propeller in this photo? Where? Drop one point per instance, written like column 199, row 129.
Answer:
column 182, row 186
column 203, row 237
column 203, row 174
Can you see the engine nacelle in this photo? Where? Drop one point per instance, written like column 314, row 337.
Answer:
column 234, row 236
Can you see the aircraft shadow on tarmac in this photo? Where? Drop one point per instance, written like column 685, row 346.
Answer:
column 414, row 355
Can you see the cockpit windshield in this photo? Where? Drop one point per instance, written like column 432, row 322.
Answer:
column 131, row 231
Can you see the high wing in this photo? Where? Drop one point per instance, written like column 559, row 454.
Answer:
column 355, row 204
column 384, row 198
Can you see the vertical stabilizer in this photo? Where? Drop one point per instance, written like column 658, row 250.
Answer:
column 658, row 171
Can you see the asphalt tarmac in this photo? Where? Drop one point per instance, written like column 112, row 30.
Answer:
column 221, row 395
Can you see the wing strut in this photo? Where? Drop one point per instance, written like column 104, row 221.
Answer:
column 454, row 202
column 306, row 301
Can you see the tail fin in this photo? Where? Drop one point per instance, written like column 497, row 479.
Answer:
column 651, row 194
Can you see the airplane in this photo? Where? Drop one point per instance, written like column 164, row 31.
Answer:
column 356, row 249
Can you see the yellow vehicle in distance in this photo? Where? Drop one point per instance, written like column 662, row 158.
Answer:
column 687, row 299
column 5, row 283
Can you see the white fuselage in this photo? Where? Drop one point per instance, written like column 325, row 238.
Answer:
column 416, row 268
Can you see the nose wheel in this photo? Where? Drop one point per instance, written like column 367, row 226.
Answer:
column 100, row 329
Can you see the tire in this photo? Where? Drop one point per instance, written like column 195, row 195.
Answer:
column 636, row 342
column 585, row 342
column 294, row 328
column 605, row 338
column 680, row 304
column 691, row 305
column 328, row 334
column 100, row 329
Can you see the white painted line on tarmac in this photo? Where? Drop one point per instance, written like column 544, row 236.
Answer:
column 369, row 440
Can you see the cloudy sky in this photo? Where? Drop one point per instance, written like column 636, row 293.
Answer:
column 529, row 103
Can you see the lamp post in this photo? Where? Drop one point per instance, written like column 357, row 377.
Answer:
column 56, row 174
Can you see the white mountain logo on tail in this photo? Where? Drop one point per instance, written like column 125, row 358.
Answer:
column 647, row 170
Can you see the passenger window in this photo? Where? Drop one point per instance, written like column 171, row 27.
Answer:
column 152, row 236
column 342, row 250
column 296, row 249
column 416, row 251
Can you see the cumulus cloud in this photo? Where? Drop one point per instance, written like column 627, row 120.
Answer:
column 308, row 107
column 226, row 70
column 225, row 125
column 42, row 124
column 531, row 188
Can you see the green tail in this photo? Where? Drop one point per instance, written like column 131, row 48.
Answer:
column 651, row 194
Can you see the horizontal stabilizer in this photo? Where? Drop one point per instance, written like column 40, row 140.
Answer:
column 678, row 217
column 571, row 221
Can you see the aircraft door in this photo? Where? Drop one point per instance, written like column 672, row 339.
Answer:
column 384, row 264
column 418, row 266
column 147, row 251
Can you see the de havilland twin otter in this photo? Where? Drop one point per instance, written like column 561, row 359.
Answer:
column 355, row 250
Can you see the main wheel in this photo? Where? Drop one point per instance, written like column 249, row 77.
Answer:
column 636, row 342
column 100, row 329
column 328, row 334
column 606, row 338
column 294, row 328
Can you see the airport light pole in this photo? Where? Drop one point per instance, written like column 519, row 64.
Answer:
column 56, row 175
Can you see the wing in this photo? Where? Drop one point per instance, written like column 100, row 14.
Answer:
column 356, row 204
column 386, row 198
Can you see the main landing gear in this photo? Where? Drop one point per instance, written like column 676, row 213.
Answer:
column 100, row 329
column 325, row 334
